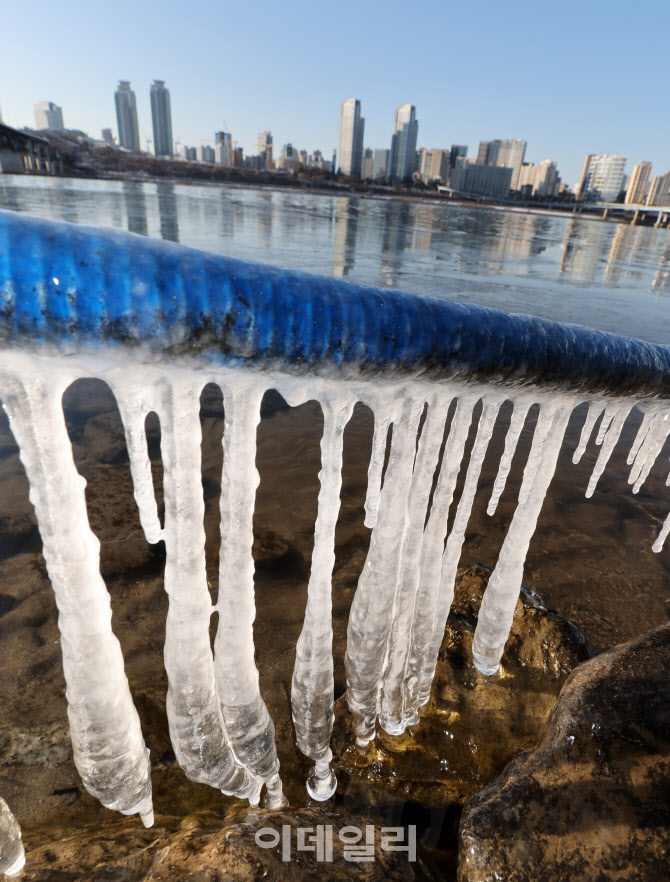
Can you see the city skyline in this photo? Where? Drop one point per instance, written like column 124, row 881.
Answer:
column 471, row 74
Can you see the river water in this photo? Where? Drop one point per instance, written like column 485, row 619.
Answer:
column 590, row 559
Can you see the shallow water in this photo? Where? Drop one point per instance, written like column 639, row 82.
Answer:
column 589, row 559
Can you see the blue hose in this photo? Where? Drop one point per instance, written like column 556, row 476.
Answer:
column 66, row 284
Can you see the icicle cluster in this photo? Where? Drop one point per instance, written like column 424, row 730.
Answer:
column 219, row 724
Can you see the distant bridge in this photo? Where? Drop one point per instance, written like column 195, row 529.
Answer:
column 635, row 212
column 22, row 152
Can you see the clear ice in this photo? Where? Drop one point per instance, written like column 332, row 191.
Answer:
column 220, row 727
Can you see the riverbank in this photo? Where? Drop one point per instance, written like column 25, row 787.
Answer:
column 112, row 165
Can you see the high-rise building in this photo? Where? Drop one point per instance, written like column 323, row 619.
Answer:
column 540, row 180
column 48, row 116
column 507, row 153
column 602, row 178
column 456, row 151
column 482, row 153
column 207, row 154
column 659, row 192
column 380, row 165
column 434, row 165
column 161, row 117
column 223, row 142
column 637, row 186
column 368, row 161
column 480, row 180
column 126, row 117
column 108, row 138
column 352, row 126
column 265, row 149
column 402, row 159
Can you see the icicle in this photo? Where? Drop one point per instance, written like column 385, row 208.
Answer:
column 649, row 450
column 452, row 552
column 641, row 435
column 134, row 405
column 197, row 729
column 662, row 536
column 107, row 742
column 611, row 438
column 608, row 416
column 372, row 607
column 432, row 547
column 382, row 420
column 12, row 855
column 312, row 690
column 516, row 425
column 594, row 411
column 502, row 592
column 247, row 720
column 391, row 716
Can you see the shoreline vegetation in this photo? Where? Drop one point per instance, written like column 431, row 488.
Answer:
column 112, row 165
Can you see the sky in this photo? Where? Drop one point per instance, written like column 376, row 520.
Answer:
column 571, row 79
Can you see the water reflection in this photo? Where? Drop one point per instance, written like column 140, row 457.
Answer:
column 167, row 211
column 398, row 223
column 136, row 208
column 344, row 236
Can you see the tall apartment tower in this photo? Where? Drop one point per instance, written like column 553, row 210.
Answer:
column 161, row 117
column 126, row 117
column 352, row 126
column 637, row 186
column 602, row 178
column 224, row 149
column 265, row 149
column 659, row 192
column 48, row 116
column 402, row 159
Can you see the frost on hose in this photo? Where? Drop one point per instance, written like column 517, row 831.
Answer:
column 219, row 724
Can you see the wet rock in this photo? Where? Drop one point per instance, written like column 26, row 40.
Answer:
column 592, row 801
column 204, row 848
column 473, row 725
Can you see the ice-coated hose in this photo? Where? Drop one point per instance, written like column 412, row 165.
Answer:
column 68, row 284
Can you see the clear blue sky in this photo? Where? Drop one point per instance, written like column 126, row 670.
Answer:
column 571, row 78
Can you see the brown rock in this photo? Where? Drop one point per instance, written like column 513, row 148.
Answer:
column 204, row 850
column 473, row 725
column 592, row 801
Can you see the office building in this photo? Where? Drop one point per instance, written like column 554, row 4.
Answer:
column 108, row 138
column 602, row 178
column 455, row 151
column 637, row 186
column 480, row 180
column 207, row 154
column 659, row 192
column 126, row 117
column 352, row 126
column 402, row 158
column 161, row 118
column 538, row 181
column 434, row 165
column 223, row 145
column 368, row 162
column 482, row 153
column 265, row 150
column 380, row 165
column 48, row 116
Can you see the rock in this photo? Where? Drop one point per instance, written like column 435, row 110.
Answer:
column 204, row 849
column 473, row 725
column 592, row 801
